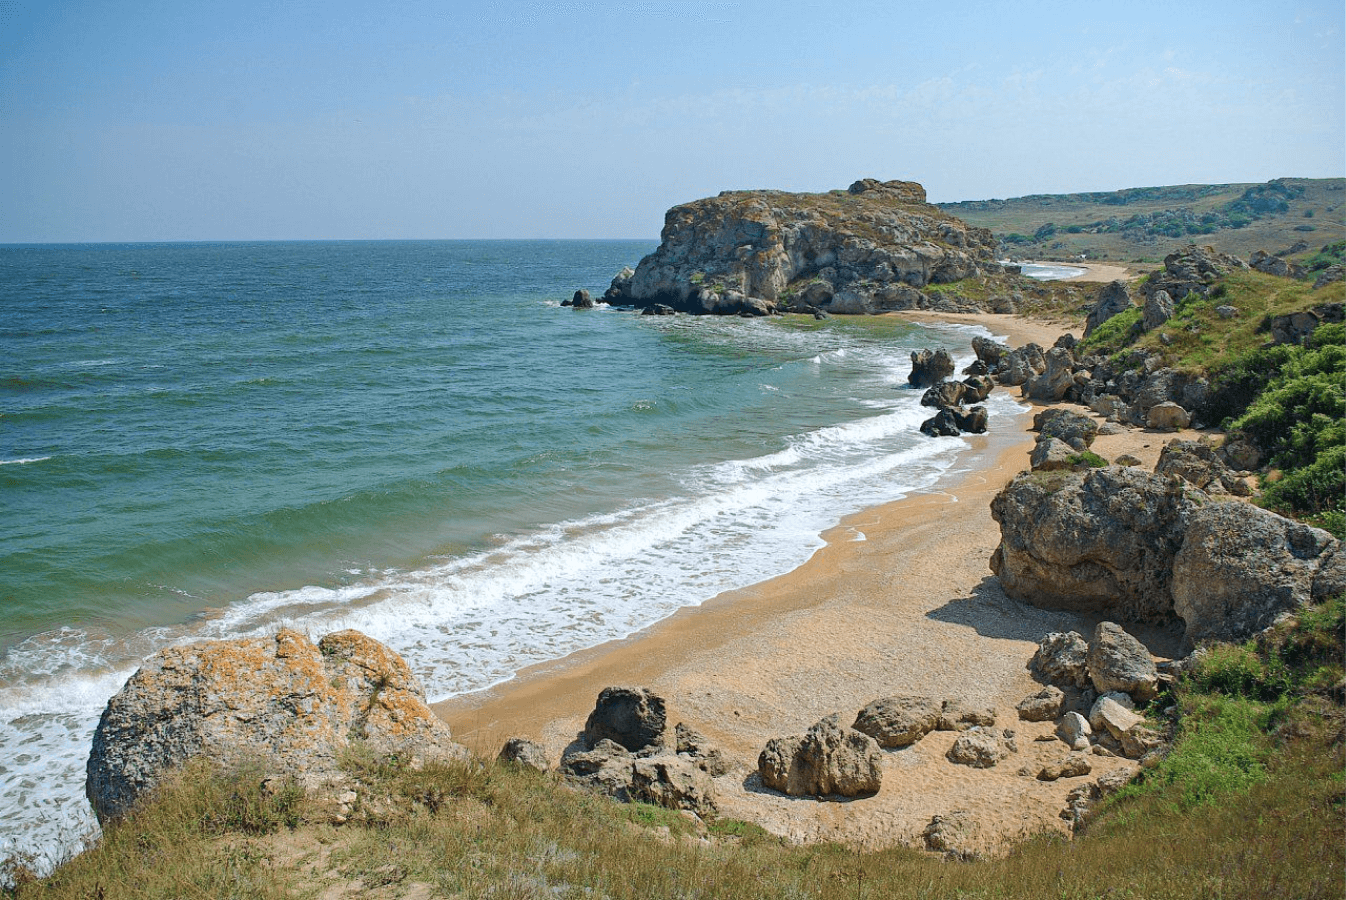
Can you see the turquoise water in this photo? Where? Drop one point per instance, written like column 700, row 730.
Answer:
column 410, row 438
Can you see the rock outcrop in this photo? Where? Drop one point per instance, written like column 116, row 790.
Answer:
column 630, row 717
column 899, row 721
column 1098, row 541
column 868, row 249
column 281, row 702
column 829, row 759
column 1113, row 299
column 1191, row 270
column 1241, row 567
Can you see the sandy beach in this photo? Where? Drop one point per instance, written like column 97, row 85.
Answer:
column 900, row 600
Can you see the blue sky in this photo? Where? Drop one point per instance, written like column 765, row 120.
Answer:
column 270, row 120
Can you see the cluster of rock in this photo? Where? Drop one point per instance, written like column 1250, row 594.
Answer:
column 868, row 249
column 1154, row 547
column 624, row 752
column 931, row 370
column 280, row 703
column 832, row 758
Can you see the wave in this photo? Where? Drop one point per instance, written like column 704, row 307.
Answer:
column 24, row 461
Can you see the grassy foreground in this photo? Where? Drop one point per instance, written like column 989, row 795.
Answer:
column 1250, row 803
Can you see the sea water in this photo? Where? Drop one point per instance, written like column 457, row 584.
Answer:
column 414, row 439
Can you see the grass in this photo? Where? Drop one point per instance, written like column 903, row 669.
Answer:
column 1249, row 803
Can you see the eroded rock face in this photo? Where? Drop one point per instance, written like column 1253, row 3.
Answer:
column 1191, row 270
column 1062, row 659
column 631, row 717
column 899, row 721
column 1201, row 466
column 281, row 702
column 1113, row 298
column 981, row 747
column 1044, row 706
column 524, row 752
column 1119, row 662
column 1241, row 567
column 829, row 759
column 930, row 367
column 1101, row 540
column 869, row 249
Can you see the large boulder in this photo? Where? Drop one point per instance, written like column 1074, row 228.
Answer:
column 930, row 367
column 1119, row 662
column 1072, row 428
column 1062, row 659
column 982, row 747
column 1202, row 466
column 1242, row 567
column 1021, row 364
column 1191, row 270
column 899, row 721
column 1098, row 541
column 828, row 759
column 672, row 782
column 280, row 702
column 1158, row 310
column 1167, row 416
column 1113, row 298
column 1055, row 380
column 631, row 717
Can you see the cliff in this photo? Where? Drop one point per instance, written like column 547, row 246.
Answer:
column 867, row 249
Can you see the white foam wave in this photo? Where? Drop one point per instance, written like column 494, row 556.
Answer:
column 23, row 462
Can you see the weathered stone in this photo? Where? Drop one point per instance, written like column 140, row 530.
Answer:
column 1044, row 706
column 280, row 701
column 1072, row 766
column 658, row 309
column 605, row 768
column 1138, row 740
column 1103, row 540
column 1263, row 261
column 1110, row 715
column 1110, row 783
column 828, row 759
column 672, row 782
column 1330, row 275
column 620, row 287
column 1073, row 428
column 929, row 367
column 970, row 421
column 1240, row 454
column 1158, row 310
column 941, row 424
column 1062, row 659
column 1051, row 455
column 981, row 747
column 695, row 747
column 525, row 753
column 1113, row 298
column 1055, row 380
column 582, row 300
column 1201, row 466
column 1241, row 567
column 1119, row 662
column 1167, row 416
column 898, row 721
column 631, row 717
column 1226, row 311
column 953, row 834
column 1191, row 270
column 989, row 352
column 1021, row 364
column 960, row 715
column 979, row 387
column 946, row 393
column 875, row 248
column 1075, row 730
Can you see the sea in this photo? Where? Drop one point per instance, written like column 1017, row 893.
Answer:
column 410, row 438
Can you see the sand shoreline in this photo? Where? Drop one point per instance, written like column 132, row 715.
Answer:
column 900, row 599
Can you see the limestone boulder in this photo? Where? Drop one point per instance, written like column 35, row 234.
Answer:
column 981, row 747
column 1044, row 706
column 1167, row 416
column 1242, row 567
column 828, row 759
column 946, row 393
column 282, row 702
column 1058, row 377
column 1075, row 730
column 899, row 721
column 582, row 300
column 930, row 367
column 1074, row 429
column 1099, row 541
column 960, row 715
column 1191, row 270
column 1202, row 466
column 605, row 768
column 634, row 718
column 1062, row 659
column 1119, row 662
column 1021, row 364
column 989, row 352
column 953, row 834
column 1051, row 455
column 942, row 424
column 979, row 387
column 524, row 752
column 1073, row 766
column 672, row 782
column 1158, row 310
column 1113, row 714
column 693, row 746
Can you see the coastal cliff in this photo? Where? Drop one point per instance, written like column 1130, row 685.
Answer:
column 870, row 248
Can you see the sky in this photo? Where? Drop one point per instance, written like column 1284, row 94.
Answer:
column 244, row 120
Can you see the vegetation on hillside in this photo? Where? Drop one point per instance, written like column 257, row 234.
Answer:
column 1292, row 217
column 1249, row 803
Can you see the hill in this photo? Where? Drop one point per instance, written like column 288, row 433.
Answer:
column 1142, row 224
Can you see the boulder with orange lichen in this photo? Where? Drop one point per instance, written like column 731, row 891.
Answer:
column 282, row 703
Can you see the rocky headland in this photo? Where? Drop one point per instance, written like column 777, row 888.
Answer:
column 870, row 248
